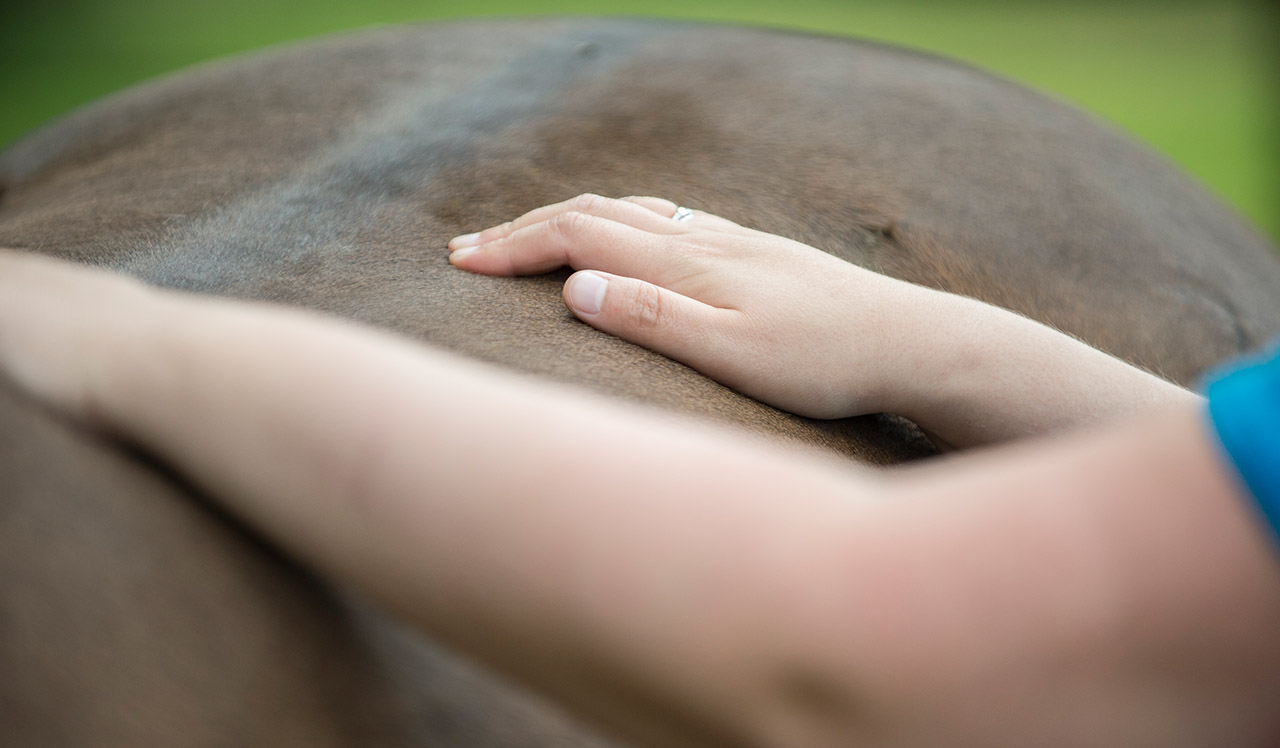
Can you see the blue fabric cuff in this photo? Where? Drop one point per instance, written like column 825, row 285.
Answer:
column 1244, row 407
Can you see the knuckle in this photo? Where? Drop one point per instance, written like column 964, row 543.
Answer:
column 587, row 202
column 648, row 310
column 570, row 225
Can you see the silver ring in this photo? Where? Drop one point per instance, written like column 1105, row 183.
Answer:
column 682, row 214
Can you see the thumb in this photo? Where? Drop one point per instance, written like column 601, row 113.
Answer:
column 657, row 318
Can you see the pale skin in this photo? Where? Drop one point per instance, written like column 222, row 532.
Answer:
column 685, row 585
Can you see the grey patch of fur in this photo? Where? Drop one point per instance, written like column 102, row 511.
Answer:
column 323, row 208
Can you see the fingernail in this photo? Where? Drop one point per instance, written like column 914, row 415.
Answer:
column 466, row 240
column 586, row 292
column 462, row 254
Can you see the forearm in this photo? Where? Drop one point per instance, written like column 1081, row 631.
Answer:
column 647, row 573
column 640, row 570
column 609, row 557
column 970, row 374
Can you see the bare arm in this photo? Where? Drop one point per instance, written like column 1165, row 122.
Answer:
column 809, row 333
column 686, row 585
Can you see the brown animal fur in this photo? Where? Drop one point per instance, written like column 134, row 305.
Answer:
column 331, row 174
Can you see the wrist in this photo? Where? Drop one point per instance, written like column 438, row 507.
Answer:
column 908, row 348
column 975, row 374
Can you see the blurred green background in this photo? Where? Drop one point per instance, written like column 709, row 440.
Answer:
column 1194, row 79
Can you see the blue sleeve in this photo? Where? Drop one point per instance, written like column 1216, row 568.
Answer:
column 1244, row 407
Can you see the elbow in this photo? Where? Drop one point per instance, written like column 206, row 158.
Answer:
column 828, row 678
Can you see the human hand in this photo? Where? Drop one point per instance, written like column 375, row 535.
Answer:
column 61, row 326
column 770, row 317
column 807, row 332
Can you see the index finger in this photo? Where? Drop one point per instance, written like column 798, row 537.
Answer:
column 579, row 240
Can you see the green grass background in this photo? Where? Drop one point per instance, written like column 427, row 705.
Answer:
column 1194, row 79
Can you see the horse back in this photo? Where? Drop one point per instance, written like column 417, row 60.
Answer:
column 330, row 175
